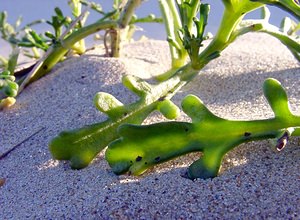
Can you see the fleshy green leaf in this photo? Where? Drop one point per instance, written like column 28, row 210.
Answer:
column 277, row 98
column 80, row 146
column 142, row 146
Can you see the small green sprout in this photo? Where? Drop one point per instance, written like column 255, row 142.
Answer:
column 8, row 87
column 142, row 146
column 25, row 36
column 193, row 42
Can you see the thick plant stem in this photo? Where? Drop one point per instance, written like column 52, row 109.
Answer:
column 124, row 20
column 230, row 21
column 115, row 40
column 222, row 39
column 128, row 12
column 57, row 51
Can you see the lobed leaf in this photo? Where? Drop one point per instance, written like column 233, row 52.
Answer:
column 80, row 146
column 143, row 146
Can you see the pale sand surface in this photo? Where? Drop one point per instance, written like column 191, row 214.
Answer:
column 255, row 181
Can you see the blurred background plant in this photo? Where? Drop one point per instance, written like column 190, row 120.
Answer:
column 151, row 30
column 67, row 37
column 69, row 28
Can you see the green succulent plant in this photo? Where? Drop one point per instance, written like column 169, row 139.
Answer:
column 134, row 148
column 80, row 146
column 142, row 146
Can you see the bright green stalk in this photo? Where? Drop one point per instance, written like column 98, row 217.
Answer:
column 36, row 53
column 57, row 51
column 128, row 12
column 194, row 6
column 76, row 7
column 173, row 25
column 232, row 16
column 180, row 25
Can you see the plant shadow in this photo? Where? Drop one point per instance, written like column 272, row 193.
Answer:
column 228, row 89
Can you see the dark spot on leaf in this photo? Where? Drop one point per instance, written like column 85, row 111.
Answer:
column 186, row 129
column 139, row 158
column 125, row 114
column 45, row 67
column 247, row 134
column 162, row 98
column 131, row 161
column 146, row 163
column 157, row 159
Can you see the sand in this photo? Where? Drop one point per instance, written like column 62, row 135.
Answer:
column 255, row 182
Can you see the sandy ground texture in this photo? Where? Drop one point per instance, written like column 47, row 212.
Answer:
column 255, row 181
